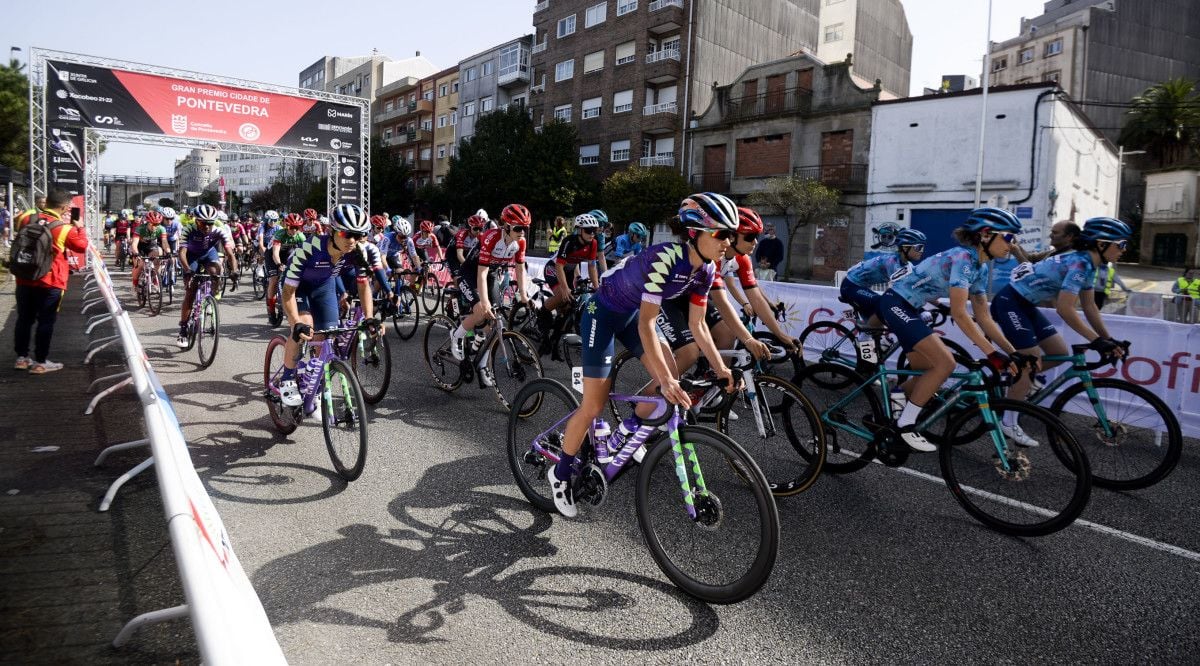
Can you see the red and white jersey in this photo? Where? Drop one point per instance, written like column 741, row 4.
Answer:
column 494, row 251
column 740, row 266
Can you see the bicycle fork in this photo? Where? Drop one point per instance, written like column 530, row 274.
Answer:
column 685, row 456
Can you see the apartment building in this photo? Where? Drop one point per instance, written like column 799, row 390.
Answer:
column 446, row 85
column 1170, row 228
column 875, row 34
column 194, row 173
column 492, row 80
column 403, row 121
column 630, row 74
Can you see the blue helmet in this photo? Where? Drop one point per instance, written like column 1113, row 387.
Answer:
column 996, row 219
column 639, row 229
column 885, row 234
column 910, row 237
column 600, row 216
column 1106, row 229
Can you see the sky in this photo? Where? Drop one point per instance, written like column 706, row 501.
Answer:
column 271, row 41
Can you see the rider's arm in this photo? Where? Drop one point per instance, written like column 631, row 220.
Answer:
column 595, row 273
column 233, row 264
column 481, row 285
column 365, row 297
column 1092, row 312
column 183, row 256
column 563, row 286
column 979, row 334
column 653, row 359
column 704, row 341
column 729, row 315
column 1065, row 307
column 133, row 245
column 522, row 294
column 766, row 314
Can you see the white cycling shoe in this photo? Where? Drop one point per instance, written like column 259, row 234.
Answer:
column 1018, row 436
column 458, row 346
column 564, row 496
column 289, row 393
column 916, row 441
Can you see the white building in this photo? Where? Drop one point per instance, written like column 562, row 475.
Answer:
column 1171, row 218
column 194, row 173
column 1042, row 160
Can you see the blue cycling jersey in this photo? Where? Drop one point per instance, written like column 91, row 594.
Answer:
column 624, row 246
column 878, row 270
column 312, row 264
column 1071, row 272
column 933, row 278
column 662, row 272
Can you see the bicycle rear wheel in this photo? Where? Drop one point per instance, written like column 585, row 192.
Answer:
column 431, row 295
column 825, row 385
column 285, row 418
column 344, row 420
column 513, row 362
column 259, row 280
column 537, row 408
column 1020, row 491
column 372, row 361
column 1146, row 440
column 725, row 553
column 445, row 369
column 208, row 333
column 154, row 295
column 824, row 341
column 407, row 315
column 628, row 377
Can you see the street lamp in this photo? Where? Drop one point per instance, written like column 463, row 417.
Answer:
column 12, row 53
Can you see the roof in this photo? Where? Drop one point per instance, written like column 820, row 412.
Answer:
column 969, row 92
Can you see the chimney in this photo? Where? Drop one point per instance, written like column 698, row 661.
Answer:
column 418, row 54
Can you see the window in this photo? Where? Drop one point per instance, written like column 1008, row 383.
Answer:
column 514, row 59
column 1053, row 48
column 623, row 101
column 670, row 44
column 564, row 70
column 589, row 154
column 626, row 53
column 470, row 74
column 454, row 86
column 453, row 118
column 595, row 15
column 486, row 104
column 566, row 26
column 426, row 153
column 1026, row 55
column 999, row 63
column 426, row 124
column 387, row 134
column 428, row 95
column 1054, row 76
column 487, row 67
column 441, row 153
column 468, row 109
column 442, row 120
column 626, row 6
column 411, row 154
column 619, row 151
column 387, row 106
column 563, row 113
column 593, row 62
column 442, row 90
column 834, row 32
column 590, row 108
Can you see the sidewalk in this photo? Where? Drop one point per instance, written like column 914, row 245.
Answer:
column 70, row 577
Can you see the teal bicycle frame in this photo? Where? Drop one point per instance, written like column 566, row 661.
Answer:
column 1074, row 371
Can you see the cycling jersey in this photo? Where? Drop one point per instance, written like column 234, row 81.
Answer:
column 311, row 263
column 198, row 242
column 933, row 278
column 740, row 266
column 267, row 231
column 313, row 228
column 121, row 227
column 492, row 250
column 427, row 247
column 236, row 230
column 1071, row 272
column 462, row 240
column 173, row 228
column 286, row 241
column 662, row 272
column 574, row 250
column 879, row 269
column 147, row 239
column 622, row 246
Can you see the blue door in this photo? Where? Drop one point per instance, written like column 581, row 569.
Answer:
column 937, row 223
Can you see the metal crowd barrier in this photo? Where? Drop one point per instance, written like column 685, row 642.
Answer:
column 227, row 617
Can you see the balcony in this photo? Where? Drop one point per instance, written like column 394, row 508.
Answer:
column 539, row 88
column 541, row 6
column 420, row 164
column 665, row 107
column 512, row 76
column 773, row 103
column 663, row 4
column 415, row 136
column 711, row 181
column 665, row 54
column 666, row 16
column 667, row 159
column 846, row 177
column 538, row 48
column 662, row 67
column 391, row 115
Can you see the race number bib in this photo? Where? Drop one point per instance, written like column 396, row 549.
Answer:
column 577, row 378
column 1022, row 269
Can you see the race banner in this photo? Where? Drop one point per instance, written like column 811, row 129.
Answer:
column 64, row 156
column 221, row 189
column 349, row 181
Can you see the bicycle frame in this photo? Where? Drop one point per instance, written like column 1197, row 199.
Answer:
column 323, row 350
column 1074, row 371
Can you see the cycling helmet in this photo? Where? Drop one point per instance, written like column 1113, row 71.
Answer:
column 477, row 221
column 1105, row 229
column 272, row 215
column 708, row 211
column 639, row 229
column 350, row 218
column 885, row 234
column 154, row 218
column 482, row 213
column 910, row 237
column 586, row 221
column 379, row 221
column 600, row 216
column 222, row 216
column 126, row 213
column 204, row 213
column 748, row 221
column 395, row 218
column 402, row 227
column 293, row 221
column 168, row 213
column 427, row 226
column 993, row 219
column 516, row 215
column 310, row 214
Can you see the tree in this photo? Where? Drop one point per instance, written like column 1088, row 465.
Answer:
column 167, row 202
column 318, row 195
column 391, row 186
column 14, row 116
column 801, row 202
column 644, row 194
column 1165, row 122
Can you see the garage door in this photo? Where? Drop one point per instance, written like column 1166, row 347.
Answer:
column 937, row 223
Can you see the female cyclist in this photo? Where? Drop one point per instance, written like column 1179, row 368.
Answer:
column 879, row 269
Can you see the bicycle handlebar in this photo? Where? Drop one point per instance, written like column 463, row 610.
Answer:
column 1080, row 350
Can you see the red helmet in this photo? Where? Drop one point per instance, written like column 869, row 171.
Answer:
column 310, row 214
column 293, row 221
column 748, row 221
column 477, row 222
column 378, row 221
column 516, row 215
column 427, row 226
column 154, row 217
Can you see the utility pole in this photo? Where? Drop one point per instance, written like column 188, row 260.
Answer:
column 987, row 71
column 1121, row 153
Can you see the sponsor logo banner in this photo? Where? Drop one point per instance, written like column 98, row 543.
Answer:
column 64, row 152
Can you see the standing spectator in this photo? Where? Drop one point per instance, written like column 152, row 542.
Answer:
column 1187, row 291
column 1062, row 237
column 557, row 233
column 38, row 300
column 5, row 220
column 770, row 248
column 1106, row 277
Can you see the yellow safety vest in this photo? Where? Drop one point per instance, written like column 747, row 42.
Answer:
column 1108, row 280
column 556, row 236
column 1189, row 288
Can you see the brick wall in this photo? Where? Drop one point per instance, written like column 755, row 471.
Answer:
column 768, row 155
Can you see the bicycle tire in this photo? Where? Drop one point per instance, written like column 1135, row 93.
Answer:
column 549, row 401
column 845, row 451
column 431, row 295
column 793, row 417
column 736, row 477
column 141, row 292
column 625, row 381
column 283, row 417
column 407, row 316
column 371, row 359
column 792, row 362
column 974, row 476
column 258, row 282
column 154, row 297
column 1107, row 456
column 517, row 347
column 208, row 322
column 443, row 367
column 827, row 340
column 353, row 413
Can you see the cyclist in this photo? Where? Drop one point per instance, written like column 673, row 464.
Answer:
column 581, row 246
column 880, row 269
column 626, row 308
column 229, row 250
column 121, row 229
column 479, row 284
column 149, row 240
column 602, row 236
column 310, row 292
column 266, row 233
column 629, row 242
column 464, row 243
column 884, row 237
column 426, row 243
column 314, row 224
column 399, row 245
column 201, row 242
column 1069, row 279
column 960, row 274
column 283, row 242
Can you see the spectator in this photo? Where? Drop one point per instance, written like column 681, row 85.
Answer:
column 770, row 248
column 1106, row 277
column 764, row 272
column 5, row 218
column 557, row 233
column 38, row 300
column 1062, row 236
column 1187, row 291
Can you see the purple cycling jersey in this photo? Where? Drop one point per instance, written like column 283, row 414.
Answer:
column 312, row 265
column 199, row 242
column 662, row 272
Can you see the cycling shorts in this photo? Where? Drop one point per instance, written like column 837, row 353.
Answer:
column 551, row 275
column 1022, row 323
column 321, row 301
column 149, row 249
column 902, row 319
column 673, row 322
column 209, row 257
column 599, row 327
column 470, row 293
column 860, row 298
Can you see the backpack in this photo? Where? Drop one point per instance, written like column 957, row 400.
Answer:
column 32, row 251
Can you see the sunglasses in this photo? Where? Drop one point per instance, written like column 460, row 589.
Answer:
column 1009, row 238
column 722, row 234
column 520, row 229
column 1123, row 244
column 352, row 236
column 750, row 238
column 916, row 248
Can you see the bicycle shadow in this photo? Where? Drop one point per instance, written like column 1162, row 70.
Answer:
column 468, row 547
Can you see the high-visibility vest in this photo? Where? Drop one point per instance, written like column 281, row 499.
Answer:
column 1108, row 280
column 556, row 236
column 1187, row 288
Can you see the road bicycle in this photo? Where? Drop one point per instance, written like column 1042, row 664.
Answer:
column 429, row 286
column 169, row 274
column 330, row 391
column 369, row 356
column 703, row 506
column 149, row 287
column 204, row 323
column 258, row 274
column 562, row 339
column 122, row 253
column 832, row 341
column 406, row 315
column 501, row 359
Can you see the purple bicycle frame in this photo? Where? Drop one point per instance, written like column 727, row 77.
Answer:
column 326, row 354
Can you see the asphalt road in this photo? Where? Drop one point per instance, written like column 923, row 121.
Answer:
column 434, row 556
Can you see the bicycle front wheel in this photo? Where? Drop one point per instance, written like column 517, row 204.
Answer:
column 781, row 429
column 154, row 296
column 513, row 362
column 445, row 369
column 208, row 333
column 1023, row 491
column 828, row 341
column 372, row 361
column 407, row 315
column 259, row 281
column 431, row 295
column 848, row 440
column 628, row 377
column 1142, row 442
column 717, row 537
column 538, row 415
column 344, row 420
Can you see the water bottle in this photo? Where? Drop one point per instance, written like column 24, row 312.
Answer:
column 602, row 433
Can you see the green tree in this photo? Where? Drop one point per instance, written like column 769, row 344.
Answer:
column 167, row 202
column 801, row 201
column 14, row 116
column 1165, row 122
column 391, row 181
column 644, row 194
column 318, row 195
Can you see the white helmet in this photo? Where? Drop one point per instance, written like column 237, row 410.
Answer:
column 482, row 213
column 586, row 221
column 168, row 212
column 222, row 216
column 402, row 226
column 272, row 215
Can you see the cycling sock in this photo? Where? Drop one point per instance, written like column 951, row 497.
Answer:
column 1010, row 418
column 909, row 416
column 288, row 373
column 459, row 332
column 565, row 467
column 183, row 326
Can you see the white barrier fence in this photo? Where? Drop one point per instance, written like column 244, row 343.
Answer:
column 227, row 617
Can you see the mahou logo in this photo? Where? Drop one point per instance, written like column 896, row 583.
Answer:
column 178, row 123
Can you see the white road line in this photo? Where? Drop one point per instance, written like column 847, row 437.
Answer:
column 1087, row 524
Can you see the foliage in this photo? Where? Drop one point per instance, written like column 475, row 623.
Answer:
column 290, row 192
column 1165, row 122
column 167, row 202
column 14, row 116
column 644, row 194
column 318, row 195
column 801, row 201
column 391, row 181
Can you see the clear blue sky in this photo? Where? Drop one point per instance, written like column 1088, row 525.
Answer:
column 269, row 40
